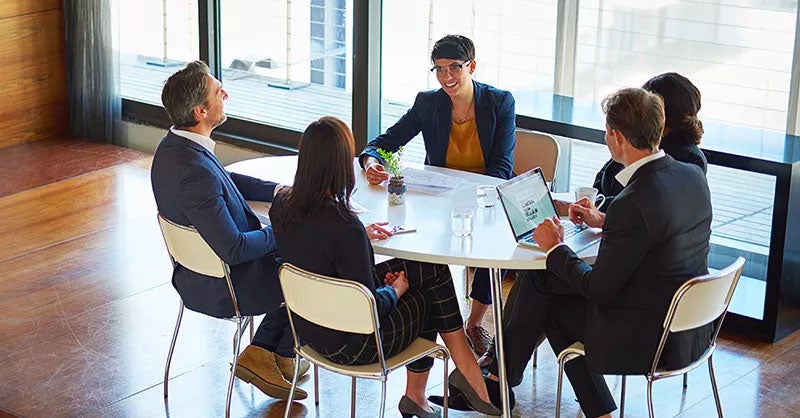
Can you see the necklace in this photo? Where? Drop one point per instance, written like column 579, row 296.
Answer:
column 463, row 118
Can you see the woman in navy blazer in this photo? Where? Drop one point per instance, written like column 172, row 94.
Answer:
column 465, row 125
column 316, row 230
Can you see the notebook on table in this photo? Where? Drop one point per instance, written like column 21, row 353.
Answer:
column 527, row 202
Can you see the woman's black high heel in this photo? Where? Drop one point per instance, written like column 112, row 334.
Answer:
column 410, row 409
column 475, row 402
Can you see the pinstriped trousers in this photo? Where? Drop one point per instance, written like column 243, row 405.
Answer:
column 427, row 308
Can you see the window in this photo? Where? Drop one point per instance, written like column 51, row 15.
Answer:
column 514, row 47
column 287, row 63
column 738, row 53
column 150, row 53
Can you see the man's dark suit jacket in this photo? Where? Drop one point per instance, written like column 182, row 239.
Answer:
column 655, row 238
column 192, row 187
column 432, row 114
column 677, row 144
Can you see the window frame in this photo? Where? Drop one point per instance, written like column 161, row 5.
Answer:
column 366, row 96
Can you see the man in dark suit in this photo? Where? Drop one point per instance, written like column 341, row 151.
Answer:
column 191, row 187
column 655, row 237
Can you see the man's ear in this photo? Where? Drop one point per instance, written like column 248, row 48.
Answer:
column 618, row 138
column 200, row 113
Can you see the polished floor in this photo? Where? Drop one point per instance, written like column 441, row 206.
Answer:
column 88, row 310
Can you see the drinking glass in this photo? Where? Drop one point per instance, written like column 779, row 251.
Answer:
column 487, row 196
column 461, row 221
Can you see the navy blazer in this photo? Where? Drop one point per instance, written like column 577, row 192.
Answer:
column 432, row 114
column 191, row 187
column 655, row 238
column 676, row 144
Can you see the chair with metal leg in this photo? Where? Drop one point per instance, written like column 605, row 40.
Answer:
column 187, row 248
column 698, row 302
column 346, row 306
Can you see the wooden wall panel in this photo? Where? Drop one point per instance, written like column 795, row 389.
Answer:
column 43, row 121
column 11, row 8
column 32, row 70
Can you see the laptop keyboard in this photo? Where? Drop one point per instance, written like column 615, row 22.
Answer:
column 570, row 229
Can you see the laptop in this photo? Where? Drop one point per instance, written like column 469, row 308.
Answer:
column 527, row 202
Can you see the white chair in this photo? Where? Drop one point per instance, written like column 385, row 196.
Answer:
column 187, row 248
column 536, row 149
column 699, row 301
column 346, row 306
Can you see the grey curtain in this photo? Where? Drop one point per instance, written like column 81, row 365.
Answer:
column 91, row 69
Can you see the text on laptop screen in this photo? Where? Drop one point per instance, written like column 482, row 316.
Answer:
column 527, row 202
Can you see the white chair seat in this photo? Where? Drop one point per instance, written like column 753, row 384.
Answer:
column 419, row 348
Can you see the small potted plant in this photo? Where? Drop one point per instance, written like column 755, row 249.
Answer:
column 393, row 163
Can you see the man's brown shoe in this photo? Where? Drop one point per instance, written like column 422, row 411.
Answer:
column 286, row 364
column 479, row 339
column 258, row 367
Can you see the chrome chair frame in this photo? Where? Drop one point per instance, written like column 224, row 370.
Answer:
column 304, row 351
column 576, row 350
column 240, row 321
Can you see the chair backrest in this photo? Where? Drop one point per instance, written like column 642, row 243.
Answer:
column 189, row 249
column 535, row 149
column 703, row 299
column 343, row 305
column 698, row 302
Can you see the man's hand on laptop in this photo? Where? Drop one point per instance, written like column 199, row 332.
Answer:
column 584, row 211
column 562, row 207
column 549, row 233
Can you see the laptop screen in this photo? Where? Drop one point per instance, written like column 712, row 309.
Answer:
column 526, row 201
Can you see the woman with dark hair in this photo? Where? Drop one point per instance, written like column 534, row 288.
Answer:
column 413, row 299
column 466, row 125
column 682, row 130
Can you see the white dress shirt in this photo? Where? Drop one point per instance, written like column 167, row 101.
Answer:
column 204, row 141
column 624, row 176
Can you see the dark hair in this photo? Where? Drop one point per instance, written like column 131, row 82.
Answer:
column 638, row 114
column 324, row 170
column 183, row 91
column 681, row 103
column 454, row 47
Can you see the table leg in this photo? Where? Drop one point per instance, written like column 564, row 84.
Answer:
column 497, row 314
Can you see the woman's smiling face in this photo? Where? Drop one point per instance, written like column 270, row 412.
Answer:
column 455, row 76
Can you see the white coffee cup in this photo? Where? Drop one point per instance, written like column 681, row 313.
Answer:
column 590, row 193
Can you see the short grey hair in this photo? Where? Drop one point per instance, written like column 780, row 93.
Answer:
column 183, row 91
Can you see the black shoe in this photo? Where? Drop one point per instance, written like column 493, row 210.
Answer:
column 493, row 388
column 460, row 384
column 410, row 409
column 455, row 401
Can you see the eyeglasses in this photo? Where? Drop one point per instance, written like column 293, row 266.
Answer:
column 452, row 68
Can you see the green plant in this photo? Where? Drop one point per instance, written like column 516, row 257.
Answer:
column 393, row 161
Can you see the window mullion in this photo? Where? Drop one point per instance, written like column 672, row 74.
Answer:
column 566, row 46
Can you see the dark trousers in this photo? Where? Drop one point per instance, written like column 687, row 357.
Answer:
column 481, row 287
column 273, row 334
column 427, row 308
column 540, row 304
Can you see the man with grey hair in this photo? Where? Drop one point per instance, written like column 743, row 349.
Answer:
column 655, row 237
column 191, row 187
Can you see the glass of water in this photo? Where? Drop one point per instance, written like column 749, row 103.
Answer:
column 461, row 221
column 487, row 196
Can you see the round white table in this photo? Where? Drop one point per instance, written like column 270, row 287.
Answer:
column 491, row 245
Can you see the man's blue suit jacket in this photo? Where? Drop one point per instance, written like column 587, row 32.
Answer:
column 191, row 187
column 432, row 114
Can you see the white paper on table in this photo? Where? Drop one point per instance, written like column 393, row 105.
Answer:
column 465, row 195
column 429, row 180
